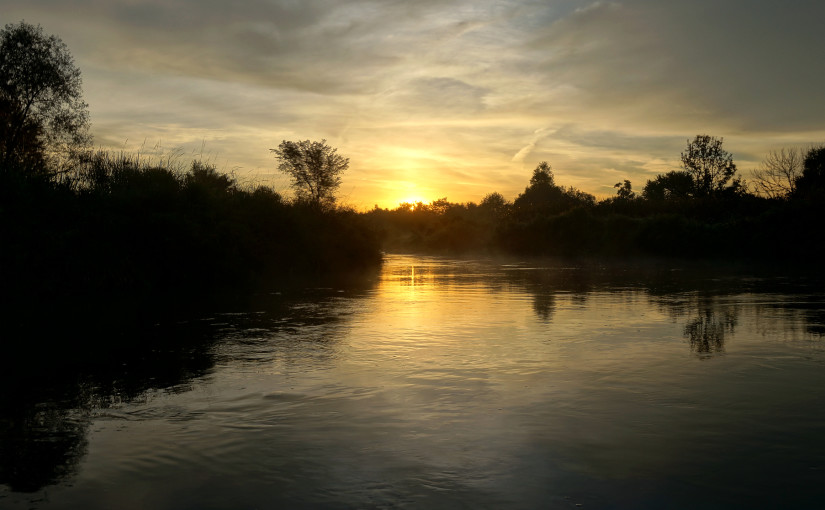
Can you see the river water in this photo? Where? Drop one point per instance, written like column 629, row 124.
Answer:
column 449, row 384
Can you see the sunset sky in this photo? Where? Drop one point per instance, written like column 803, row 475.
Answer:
column 446, row 98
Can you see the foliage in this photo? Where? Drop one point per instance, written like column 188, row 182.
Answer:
column 42, row 113
column 315, row 168
column 811, row 184
column 674, row 185
column 542, row 176
column 153, row 238
column 495, row 206
column 711, row 167
column 543, row 196
column 624, row 190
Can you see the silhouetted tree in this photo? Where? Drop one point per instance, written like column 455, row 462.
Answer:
column 494, row 205
column 28, row 151
column 542, row 176
column 576, row 197
column 315, row 168
column 41, row 106
column 542, row 191
column 777, row 175
column 624, row 190
column 673, row 185
column 543, row 197
column 812, row 181
column 710, row 166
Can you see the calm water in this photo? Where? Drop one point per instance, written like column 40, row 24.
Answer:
column 448, row 384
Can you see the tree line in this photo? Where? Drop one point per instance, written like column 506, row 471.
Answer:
column 703, row 210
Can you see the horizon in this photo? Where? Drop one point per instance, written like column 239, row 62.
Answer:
column 453, row 100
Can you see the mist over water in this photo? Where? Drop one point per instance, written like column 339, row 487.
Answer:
column 451, row 384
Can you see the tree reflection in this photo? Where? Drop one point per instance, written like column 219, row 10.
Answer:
column 45, row 419
column 693, row 296
column 545, row 283
column 706, row 331
column 544, row 304
column 53, row 384
column 40, row 445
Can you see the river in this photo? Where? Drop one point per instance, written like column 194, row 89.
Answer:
column 447, row 383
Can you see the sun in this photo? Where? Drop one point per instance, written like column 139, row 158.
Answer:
column 413, row 199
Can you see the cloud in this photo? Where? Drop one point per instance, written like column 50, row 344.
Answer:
column 527, row 149
column 738, row 65
column 433, row 98
column 464, row 93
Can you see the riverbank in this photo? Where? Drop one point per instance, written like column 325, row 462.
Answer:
column 121, row 242
column 741, row 229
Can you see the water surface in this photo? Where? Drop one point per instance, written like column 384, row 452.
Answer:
column 450, row 384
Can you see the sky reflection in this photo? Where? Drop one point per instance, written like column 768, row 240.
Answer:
column 467, row 383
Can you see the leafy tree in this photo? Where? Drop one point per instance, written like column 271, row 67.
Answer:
column 812, row 181
column 575, row 197
column 440, row 206
column 542, row 193
column 777, row 175
column 315, row 168
column 544, row 197
column 495, row 205
column 42, row 113
column 711, row 167
column 542, row 176
column 624, row 190
column 19, row 143
column 675, row 185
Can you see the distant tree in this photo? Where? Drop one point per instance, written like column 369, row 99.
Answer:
column 315, row 168
column 675, row 185
column 624, row 190
column 777, row 175
column 543, row 196
column 542, row 176
column 494, row 205
column 812, row 181
column 711, row 167
column 576, row 197
column 542, row 193
column 204, row 179
column 42, row 113
column 440, row 206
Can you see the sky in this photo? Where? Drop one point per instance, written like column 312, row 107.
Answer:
column 446, row 98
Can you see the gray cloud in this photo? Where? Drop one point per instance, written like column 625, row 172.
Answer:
column 435, row 97
column 742, row 65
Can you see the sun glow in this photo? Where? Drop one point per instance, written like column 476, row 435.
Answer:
column 413, row 199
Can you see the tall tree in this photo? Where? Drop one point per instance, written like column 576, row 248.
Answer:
column 711, row 167
column 42, row 113
column 315, row 168
column 812, row 181
column 543, row 196
column 542, row 176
